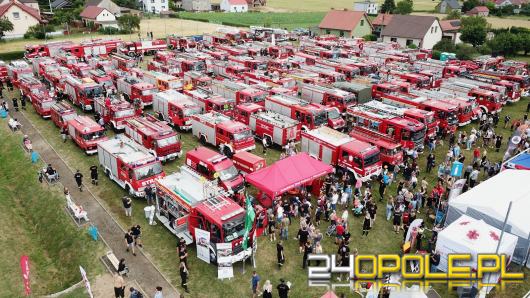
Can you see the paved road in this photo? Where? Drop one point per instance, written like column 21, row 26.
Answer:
column 141, row 268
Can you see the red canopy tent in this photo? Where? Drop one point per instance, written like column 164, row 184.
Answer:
column 287, row 174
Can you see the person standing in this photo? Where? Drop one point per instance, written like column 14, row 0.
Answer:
column 127, row 206
column 23, row 102
column 94, row 174
column 435, row 261
column 473, row 177
column 136, row 232
column 184, row 276
column 119, row 286
column 255, row 284
column 283, row 289
column 267, row 289
column 279, row 254
column 366, row 223
column 129, row 242
column 149, row 195
column 64, row 134
column 79, row 180
column 308, row 249
column 158, row 292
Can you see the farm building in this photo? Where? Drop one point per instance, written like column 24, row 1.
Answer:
column 422, row 31
column 380, row 22
column 234, row 5
column 21, row 15
column 446, row 6
column 196, row 5
column 107, row 4
column 368, row 6
column 451, row 30
column 481, row 11
column 99, row 16
column 345, row 23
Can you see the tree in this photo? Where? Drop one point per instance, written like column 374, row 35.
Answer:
column 465, row 52
column 453, row 15
column 5, row 26
column 38, row 31
column 524, row 39
column 388, row 6
column 370, row 37
column 444, row 45
column 469, row 5
column 128, row 22
column 403, row 7
column 506, row 43
column 474, row 30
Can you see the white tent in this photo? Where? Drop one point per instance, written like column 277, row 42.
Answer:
column 467, row 235
column 489, row 201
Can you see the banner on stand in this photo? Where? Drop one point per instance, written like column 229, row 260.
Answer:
column 202, row 239
column 224, row 261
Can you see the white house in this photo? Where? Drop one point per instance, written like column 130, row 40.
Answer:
column 368, row 6
column 234, row 6
column 21, row 16
column 422, row 31
column 155, row 6
column 99, row 16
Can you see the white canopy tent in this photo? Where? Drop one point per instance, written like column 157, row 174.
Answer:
column 490, row 200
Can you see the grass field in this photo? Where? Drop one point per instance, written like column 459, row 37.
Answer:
column 33, row 222
column 160, row 245
column 322, row 5
column 495, row 22
column 289, row 20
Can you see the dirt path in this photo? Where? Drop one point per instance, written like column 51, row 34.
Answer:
column 141, row 268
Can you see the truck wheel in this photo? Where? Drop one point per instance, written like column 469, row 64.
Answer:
column 128, row 189
column 131, row 54
column 202, row 140
column 227, row 152
column 107, row 172
column 269, row 141
column 126, row 96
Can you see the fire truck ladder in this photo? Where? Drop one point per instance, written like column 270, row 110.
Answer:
column 215, row 196
column 384, row 108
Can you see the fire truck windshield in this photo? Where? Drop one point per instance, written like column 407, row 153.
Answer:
column 149, row 92
column 242, row 135
column 228, row 173
column 333, row 114
column 147, row 171
column 94, row 135
column 124, row 113
column 418, row 135
column 259, row 98
column 320, row 118
column 234, row 228
column 192, row 111
column 93, row 92
column 371, row 159
column 160, row 143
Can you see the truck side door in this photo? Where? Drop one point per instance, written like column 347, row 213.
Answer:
column 221, row 136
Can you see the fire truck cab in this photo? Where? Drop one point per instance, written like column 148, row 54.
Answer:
column 391, row 151
column 274, row 128
column 133, row 89
column 86, row 133
column 163, row 81
column 175, row 108
column 210, row 102
column 42, row 101
column 102, row 78
column 331, row 97
column 243, row 111
column 238, row 92
column 83, row 92
column 129, row 164
column 309, row 115
column 122, row 62
column 115, row 111
column 61, row 112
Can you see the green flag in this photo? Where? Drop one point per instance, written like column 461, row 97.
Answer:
column 249, row 222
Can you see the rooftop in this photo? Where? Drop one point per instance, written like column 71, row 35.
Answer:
column 411, row 26
column 345, row 20
column 329, row 135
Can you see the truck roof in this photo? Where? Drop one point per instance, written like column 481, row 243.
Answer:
column 149, row 125
column 62, row 107
column 329, row 135
column 333, row 91
column 288, row 100
column 206, row 154
column 213, row 117
column 129, row 151
column 276, row 119
column 250, row 107
column 86, row 124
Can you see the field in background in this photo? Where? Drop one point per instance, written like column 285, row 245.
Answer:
column 323, row 5
column 290, row 20
column 495, row 22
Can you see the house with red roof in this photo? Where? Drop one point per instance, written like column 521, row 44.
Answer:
column 234, row 5
column 481, row 11
column 451, row 30
column 346, row 23
column 21, row 15
column 380, row 22
column 98, row 16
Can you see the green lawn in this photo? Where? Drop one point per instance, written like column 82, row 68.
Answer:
column 277, row 20
column 33, row 222
column 321, row 5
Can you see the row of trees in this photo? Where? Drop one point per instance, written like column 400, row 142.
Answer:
column 402, row 7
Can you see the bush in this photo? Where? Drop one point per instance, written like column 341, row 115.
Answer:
column 109, row 30
column 484, row 49
column 465, row 52
column 12, row 55
column 370, row 37
column 38, row 31
column 436, row 55
column 412, row 46
column 444, row 45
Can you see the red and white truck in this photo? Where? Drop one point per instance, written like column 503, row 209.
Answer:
column 184, row 203
column 221, row 131
column 3, row 72
column 29, row 85
column 239, row 92
column 247, row 162
column 143, row 47
column 95, row 47
column 243, row 111
column 103, row 79
column 342, row 151
column 275, row 128
column 213, row 165
column 175, row 108
column 210, row 102
column 331, row 97
column 18, row 69
column 163, row 81
column 61, row 112
column 123, row 62
column 223, row 69
column 309, row 115
column 129, row 164
column 391, row 152
column 197, row 79
column 115, row 111
column 155, row 135
column 42, row 101
column 133, row 89
column 83, row 92
column 86, row 133
column 49, row 49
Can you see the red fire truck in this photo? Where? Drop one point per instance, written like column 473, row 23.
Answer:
column 17, row 70
column 415, row 79
column 42, row 64
column 210, row 102
column 102, row 78
column 523, row 80
column 29, row 85
column 488, row 101
column 275, row 128
column 95, row 47
column 309, row 115
column 184, row 203
column 86, row 133
column 129, row 164
column 83, row 92
column 223, row 69
column 81, row 69
column 197, row 79
column 175, row 42
column 162, row 81
column 3, row 71
column 511, row 89
column 391, row 152
column 61, row 112
column 238, row 92
column 115, row 111
column 123, row 62
column 175, row 108
column 342, row 151
column 213, row 165
column 331, row 97
column 143, row 47
column 42, row 101
column 243, row 111
column 133, row 89
column 248, row 62
column 468, row 109
column 409, row 132
column 278, row 81
column 247, row 162
column 155, row 135
column 48, row 49
column 57, row 77
column 219, row 130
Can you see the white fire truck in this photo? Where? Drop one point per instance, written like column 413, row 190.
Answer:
column 129, row 164
column 275, row 128
column 175, row 108
column 134, row 88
